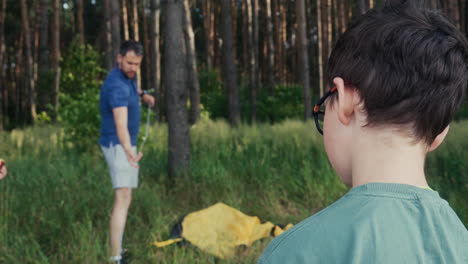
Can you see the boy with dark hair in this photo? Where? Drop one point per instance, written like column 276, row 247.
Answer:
column 399, row 75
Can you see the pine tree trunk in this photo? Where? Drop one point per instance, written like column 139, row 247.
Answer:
column 329, row 27
column 56, row 55
column 362, row 6
column 109, row 55
column 146, row 46
column 303, row 57
column 80, row 21
column 228, row 64
column 342, row 16
column 455, row 13
column 176, row 89
column 44, row 52
column 125, row 19
column 253, row 59
column 320, row 45
column 37, row 30
column 29, row 61
column 18, row 74
column 3, row 80
column 462, row 16
column 209, row 33
column 271, row 47
column 135, row 21
column 255, row 47
column 156, row 56
column 192, row 74
column 245, row 38
column 136, row 33
column 115, row 25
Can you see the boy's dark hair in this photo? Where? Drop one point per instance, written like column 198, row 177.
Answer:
column 409, row 63
column 131, row 45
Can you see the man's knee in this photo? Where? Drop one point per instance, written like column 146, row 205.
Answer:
column 123, row 196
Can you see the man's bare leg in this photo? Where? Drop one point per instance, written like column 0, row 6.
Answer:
column 122, row 200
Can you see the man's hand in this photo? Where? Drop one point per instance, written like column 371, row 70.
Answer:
column 3, row 169
column 149, row 99
column 133, row 158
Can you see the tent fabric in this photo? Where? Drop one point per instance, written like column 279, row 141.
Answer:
column 219, row 229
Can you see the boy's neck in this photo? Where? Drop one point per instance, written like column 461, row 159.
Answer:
column 380, row 156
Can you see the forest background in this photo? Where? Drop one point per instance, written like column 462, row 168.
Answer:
column 234, row 81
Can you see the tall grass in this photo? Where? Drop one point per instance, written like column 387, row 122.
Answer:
column 55, row 203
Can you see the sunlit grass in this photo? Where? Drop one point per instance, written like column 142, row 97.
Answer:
column 55, row 203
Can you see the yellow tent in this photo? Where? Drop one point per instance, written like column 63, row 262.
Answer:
column 219, row 229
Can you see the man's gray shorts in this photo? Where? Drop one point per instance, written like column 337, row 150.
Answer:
column 122, row 173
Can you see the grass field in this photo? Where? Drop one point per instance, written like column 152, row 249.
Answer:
column 55, row 203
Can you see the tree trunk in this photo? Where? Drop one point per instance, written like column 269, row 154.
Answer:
column 44, row 52
column 342, row 16
column 2, row 57
column 125, row 19
column 18, row 74
column 271, row 47
column 155, row 56
column 115, row 25
column 462, row 16
column 245, row 37
column 303, row 57
column 329, row 28
column 135, row 22
column 176, row 89
column 208, row 17
column 136, row 33
column 362, row 6
column 320, row 46
column 228, row 64
column 251, row 60
column 29, row 61
column 455, row 12
column 56, row 55
column 255, row 46
column 37, row 29
column 146, row 45
column 109, row 56
column 192, row 74
column 80, row 21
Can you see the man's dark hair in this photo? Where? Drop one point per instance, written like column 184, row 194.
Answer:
column 409, row 63
column 131, row 45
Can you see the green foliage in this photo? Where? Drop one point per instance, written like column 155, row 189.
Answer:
column 212, row 95
column 81, row 117
column 285, row 102
column 80, row 81
column 56, row 201
column 81, row 69
column 463, row 111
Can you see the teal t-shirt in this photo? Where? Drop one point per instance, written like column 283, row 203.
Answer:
column 376, row 223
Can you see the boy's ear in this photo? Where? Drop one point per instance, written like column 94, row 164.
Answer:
column 438, row 140
column 119, row 58
column 347, row 100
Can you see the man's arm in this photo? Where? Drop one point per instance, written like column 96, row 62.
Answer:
column 121, row 121
column 147, row 98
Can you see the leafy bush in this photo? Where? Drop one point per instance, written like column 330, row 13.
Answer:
column 79, row 101
column 212, row 95
column 284, row 103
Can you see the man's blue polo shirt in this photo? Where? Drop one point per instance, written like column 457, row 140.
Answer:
column 118, row 91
